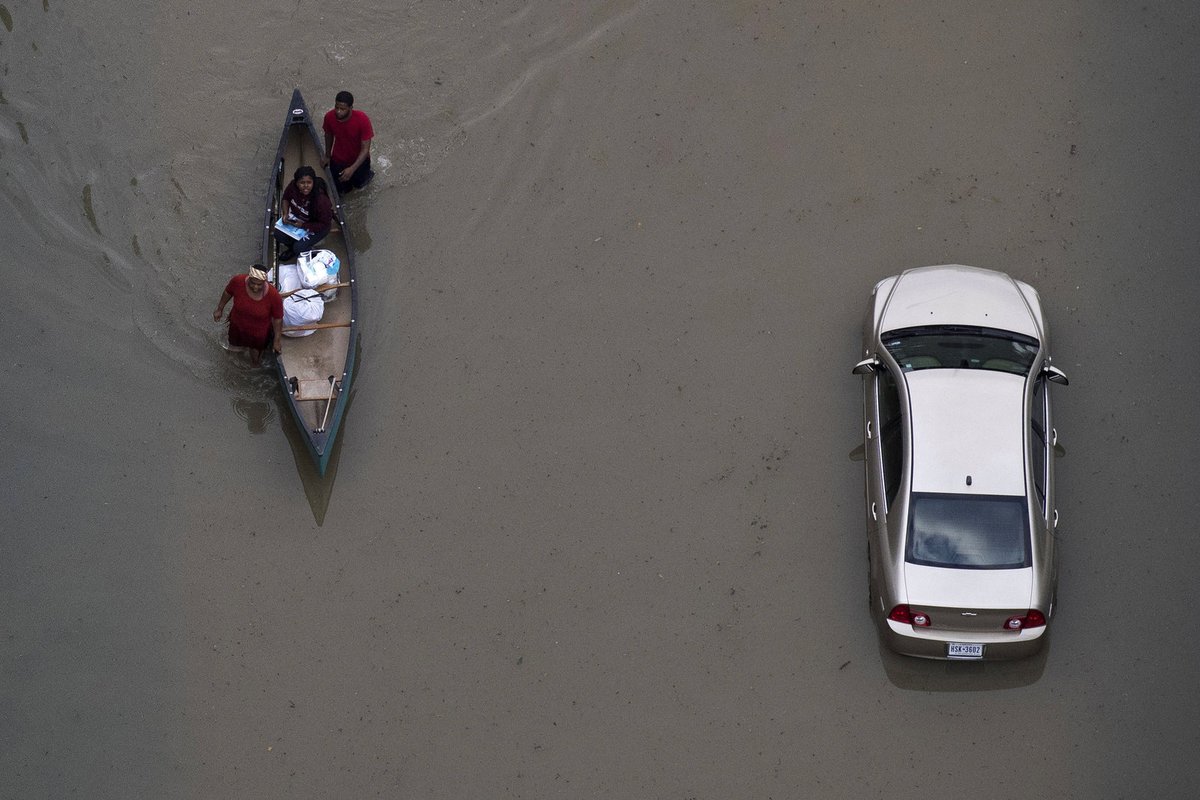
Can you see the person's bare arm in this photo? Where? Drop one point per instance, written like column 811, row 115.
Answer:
column 220, row 310
column 364, row 153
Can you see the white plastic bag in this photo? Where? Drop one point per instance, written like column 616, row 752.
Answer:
column 289, row 278
column 302, row 308
column 318, row 268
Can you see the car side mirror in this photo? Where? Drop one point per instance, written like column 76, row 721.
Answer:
column 866, row 366
column 1054, row 374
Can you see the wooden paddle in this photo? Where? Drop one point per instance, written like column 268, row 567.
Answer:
column 328, row 405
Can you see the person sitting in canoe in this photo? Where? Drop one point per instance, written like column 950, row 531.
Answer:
column 306, row 214
column 256, row 318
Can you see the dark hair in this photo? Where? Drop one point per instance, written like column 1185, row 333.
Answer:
column 305, row 171
column 344, row 97
column 319, row 187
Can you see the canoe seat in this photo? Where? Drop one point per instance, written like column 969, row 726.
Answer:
column 313, row 390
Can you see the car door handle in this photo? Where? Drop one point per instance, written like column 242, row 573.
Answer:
column 875, row 516
column 1053, row 436
column 1056, row 519
column 870, row 430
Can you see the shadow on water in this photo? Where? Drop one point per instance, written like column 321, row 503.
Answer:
column 317, row 488
column 924, row 675
column 260, row 399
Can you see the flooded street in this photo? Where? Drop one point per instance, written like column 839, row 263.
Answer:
column 593, row 528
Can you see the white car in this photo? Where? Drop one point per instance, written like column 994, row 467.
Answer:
column 959, row 452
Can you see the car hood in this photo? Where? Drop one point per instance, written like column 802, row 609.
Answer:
column 954, row 294
column 968, row 589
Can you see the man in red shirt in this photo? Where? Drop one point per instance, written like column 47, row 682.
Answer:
column 348, row 135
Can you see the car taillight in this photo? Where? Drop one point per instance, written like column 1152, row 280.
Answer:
column 906, row 615
column 1032, row 619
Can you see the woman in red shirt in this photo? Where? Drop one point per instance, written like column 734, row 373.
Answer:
column 256, row 319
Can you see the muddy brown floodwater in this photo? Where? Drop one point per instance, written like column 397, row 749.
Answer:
column 592, row 530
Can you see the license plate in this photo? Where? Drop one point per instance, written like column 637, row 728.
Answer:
column 964, row 650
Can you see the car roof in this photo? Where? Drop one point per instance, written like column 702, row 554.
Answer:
column 954, row 294
column 967, row 422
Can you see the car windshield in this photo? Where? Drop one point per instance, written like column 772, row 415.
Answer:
column 968, row 531
column 961, row 347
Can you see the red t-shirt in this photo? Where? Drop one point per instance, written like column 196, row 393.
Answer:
column 348, row 134
column 250, row 319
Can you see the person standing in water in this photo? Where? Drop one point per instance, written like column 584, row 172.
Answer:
column 348, row 135
column 256, row 319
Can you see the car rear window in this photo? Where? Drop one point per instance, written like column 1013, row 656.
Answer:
column 968, row 531
column 961, row 347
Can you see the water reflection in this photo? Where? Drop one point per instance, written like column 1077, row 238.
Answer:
column 251, row 387
column 356, row 221
column 924, row 675
column 256, row 412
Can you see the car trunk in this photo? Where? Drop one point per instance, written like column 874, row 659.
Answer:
column 968, row 599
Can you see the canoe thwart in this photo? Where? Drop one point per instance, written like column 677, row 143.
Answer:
column 317, row 326
column 322, row 288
